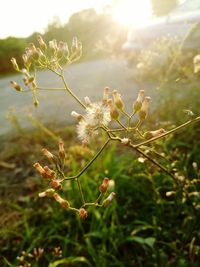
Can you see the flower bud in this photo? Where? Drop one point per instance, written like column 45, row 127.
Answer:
column 125, row 141
column 77, row 116
column 104, row 186
column 34, row 51
column 83, row 213
column 152, row 134
column 61, row 149
column 138, row 103
column 41, row 42
column 117, row 100
column 109, row 199
column 106, row 95
column 49, row 173
column 16, row 86
column 36, row 103
column 14, row 63
column 196, row 62
column 60, row 50
column 56, row 184
column 48, row 154
column 26, row 60
column 63, row 203
column 87, row 101
column 40, row 169
column 113, row 111
column 42, row 57
column 48, row 193
column 144, row 109
column 53, row 46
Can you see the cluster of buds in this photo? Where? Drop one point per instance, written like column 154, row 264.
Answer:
column 25, row 258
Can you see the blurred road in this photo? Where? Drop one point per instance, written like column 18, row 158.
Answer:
column 86, row 79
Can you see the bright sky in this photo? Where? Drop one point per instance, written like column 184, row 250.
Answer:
column 22, row 17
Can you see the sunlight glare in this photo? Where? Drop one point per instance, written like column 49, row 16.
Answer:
column 132, row 13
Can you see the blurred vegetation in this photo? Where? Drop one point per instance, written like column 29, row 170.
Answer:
column 161, row 8
column 99, row 35
column 143, row 227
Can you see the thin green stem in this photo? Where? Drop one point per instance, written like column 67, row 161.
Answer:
column 153, row 161
column 129, row 121
column 121, row 124
column 70, row 92
column 169, row 132
column 50, row 89
column 80, row 191
column 88, row 164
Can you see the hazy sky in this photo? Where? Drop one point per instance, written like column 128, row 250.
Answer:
column 22, row 17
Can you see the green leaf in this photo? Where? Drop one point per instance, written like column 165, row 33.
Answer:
column 70, row 260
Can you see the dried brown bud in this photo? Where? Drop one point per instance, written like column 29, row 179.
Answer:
column 63, row 203
column 61, row 149
column 16, row 86
column 48, row 154
column 83, row 213
column 49, row 173
column 56, row 184
column 104, row 186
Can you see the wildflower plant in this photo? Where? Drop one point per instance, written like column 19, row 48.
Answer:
column 107, row 117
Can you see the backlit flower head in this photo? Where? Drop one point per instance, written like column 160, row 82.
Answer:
column 97, row 114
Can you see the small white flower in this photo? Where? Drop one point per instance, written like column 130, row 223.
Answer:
column 85, row 130
column 97, row 114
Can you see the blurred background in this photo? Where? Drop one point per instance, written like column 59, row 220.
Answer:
column 128, row 45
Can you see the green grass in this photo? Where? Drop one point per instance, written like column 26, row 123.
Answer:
column 142, row 227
